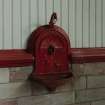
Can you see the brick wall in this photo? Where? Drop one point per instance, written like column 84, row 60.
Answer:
column 87, row 87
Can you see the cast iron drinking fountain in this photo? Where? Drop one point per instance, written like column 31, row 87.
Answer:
column 50, row 47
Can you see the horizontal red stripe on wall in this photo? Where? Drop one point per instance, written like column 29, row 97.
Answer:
column 19, row 58
column 88, row 55
column 15, row 58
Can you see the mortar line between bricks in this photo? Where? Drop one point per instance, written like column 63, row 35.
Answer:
column 58, row 92
column 75, row 93
column 97, row 101
column 96, row 75
column 16, row 98
column 86, row 102
column 9, row 99
column 10, row 82
column 91, row 75
column 91, row 101
column 86, row 82
column 80, row 103
column 89, row 89
column 95, row 88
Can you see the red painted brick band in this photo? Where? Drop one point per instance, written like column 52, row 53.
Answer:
column 15, row 58
column 88, row 55
column 19, row 58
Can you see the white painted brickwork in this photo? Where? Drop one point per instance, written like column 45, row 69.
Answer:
column 87, row 87
column 4, row 75
column 14, row 90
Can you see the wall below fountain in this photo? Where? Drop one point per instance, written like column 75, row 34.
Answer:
column 87, row 87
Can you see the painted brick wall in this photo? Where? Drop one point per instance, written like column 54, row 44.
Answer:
column 87, row 87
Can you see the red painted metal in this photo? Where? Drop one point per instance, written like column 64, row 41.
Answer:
column 50, row 46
